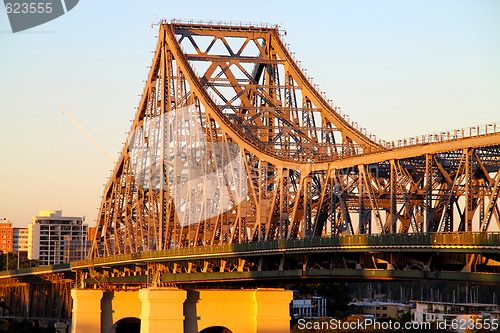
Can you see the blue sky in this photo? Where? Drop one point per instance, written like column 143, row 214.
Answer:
column 398, row 68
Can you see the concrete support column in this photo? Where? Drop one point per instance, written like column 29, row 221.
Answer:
column 273, row 310
column 162, row 310
column 86, row 310
column 243, row 310
column 233, row 309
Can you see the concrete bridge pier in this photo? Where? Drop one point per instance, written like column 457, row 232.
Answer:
column 182, row 311
column 86, row 310
column 162, row 308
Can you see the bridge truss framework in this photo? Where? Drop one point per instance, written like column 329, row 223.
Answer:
column 307, row 171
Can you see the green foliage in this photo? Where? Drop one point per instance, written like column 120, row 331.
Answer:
column 27, row 263
column 8, row 261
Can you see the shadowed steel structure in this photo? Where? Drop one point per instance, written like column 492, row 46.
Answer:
column 229, row 100
column 37, row 293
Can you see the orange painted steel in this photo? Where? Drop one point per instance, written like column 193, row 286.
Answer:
column 307, row 171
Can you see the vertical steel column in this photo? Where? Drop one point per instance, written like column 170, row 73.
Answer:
column 307, row 207
column 469, row 210
column 346, row 218
column 261, row 209
column 163, row 144
column 393, row 208
column 428, row 193
column 481, row 209
column 334, row 196
column 362, row 214
column 283, row 204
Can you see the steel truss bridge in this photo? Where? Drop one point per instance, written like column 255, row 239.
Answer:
column 299, row 190
column 306, row 170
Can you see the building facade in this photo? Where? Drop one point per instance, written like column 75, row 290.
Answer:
column 450, row 313
column 6, row 236
column 20, row 242
column 381, row 309
column 308, row 306
column 49, row 233
column 76, row 249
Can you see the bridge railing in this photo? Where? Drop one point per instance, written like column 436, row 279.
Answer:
column 451, row 239
column 231, row 24
column 410, row 239
column 35, row 270
column 468, row 132
column 390, row 241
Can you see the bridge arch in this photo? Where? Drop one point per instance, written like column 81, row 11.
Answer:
column 216, row 329
column 120, row 309
column 127, row 325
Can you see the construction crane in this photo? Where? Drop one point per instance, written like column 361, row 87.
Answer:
column 87, row 135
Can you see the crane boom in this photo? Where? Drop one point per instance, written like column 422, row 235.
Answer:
column 87, row 135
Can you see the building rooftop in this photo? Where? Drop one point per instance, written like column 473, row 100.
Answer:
column 56, row 215
column 5, row 222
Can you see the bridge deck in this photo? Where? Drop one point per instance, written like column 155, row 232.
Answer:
column 395, row 256
column 34, row 271
column 448, row 242
column 309, row 256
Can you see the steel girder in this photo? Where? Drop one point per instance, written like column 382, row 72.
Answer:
column 222, row 94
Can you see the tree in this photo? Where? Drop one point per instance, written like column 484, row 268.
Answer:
column 8, row 261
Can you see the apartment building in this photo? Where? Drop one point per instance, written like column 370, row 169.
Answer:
column 20, row 242
column 454, row 312
column 6, row 236
column 50, row 232
column 381, row 309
